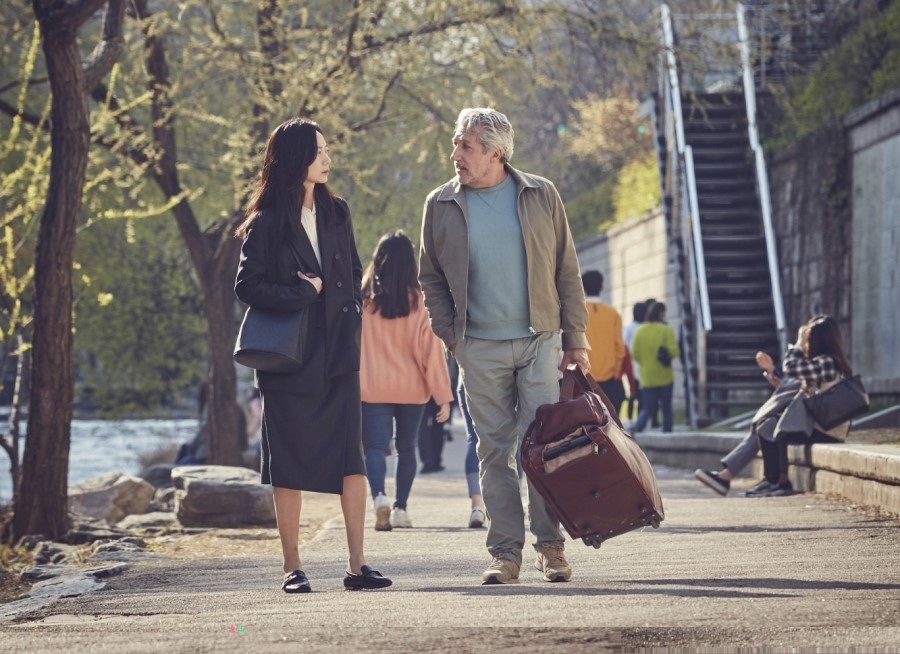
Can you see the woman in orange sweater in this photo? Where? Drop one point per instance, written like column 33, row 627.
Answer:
column 402, row 366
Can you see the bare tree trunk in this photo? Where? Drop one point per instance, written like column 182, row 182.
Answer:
column 42, row 504
column 224, row 419
column 214, row 256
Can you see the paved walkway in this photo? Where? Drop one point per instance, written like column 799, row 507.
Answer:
column 797, row 574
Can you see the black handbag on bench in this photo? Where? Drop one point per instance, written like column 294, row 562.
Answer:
column 841, row 402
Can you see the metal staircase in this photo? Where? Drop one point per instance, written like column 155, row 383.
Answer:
column 720, row 222
column 734, row 248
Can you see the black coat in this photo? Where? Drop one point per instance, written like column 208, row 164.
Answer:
column 267, row 277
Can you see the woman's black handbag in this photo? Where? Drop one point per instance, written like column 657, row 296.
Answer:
column 839, row 403
column 272, row 341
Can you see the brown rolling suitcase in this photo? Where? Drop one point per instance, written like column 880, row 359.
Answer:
column 591, row 473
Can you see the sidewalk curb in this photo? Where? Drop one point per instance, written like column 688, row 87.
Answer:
column 862, row 473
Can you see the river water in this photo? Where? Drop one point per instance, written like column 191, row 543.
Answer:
column 100, row 446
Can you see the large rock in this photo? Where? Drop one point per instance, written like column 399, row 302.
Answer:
column 221, row 496
column 159, row 475
column 111, row 497
column 157, row 520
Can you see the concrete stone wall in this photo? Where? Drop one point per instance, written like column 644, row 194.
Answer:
column 633, row 258
column 874, row 140
column 813, row 224
column 836, row 211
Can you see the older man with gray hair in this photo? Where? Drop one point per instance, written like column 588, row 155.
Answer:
column 503, row 289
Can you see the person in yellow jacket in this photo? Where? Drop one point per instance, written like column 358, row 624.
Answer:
column 604, row 333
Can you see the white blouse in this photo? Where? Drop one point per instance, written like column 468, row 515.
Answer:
column 308, row 220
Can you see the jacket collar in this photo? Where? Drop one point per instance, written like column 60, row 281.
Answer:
column 454, row 191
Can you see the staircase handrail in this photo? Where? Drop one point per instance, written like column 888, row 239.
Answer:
column 762, row 178
column 689, row 180
column 697, row 237
column 671, row 67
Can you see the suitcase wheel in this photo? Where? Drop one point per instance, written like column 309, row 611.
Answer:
column 652, row 521
column 594, row 540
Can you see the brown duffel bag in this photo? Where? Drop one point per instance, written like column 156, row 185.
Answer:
column 591, row 473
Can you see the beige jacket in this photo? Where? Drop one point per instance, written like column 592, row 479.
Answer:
column 555, row 293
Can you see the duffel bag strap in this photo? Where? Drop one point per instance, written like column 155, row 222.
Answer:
column 575, row 382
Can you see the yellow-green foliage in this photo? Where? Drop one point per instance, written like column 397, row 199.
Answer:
column 591, row 210
column 610, row 131
column 24, row 171
column 612, row 135
column 637, row 187
column 865, row 64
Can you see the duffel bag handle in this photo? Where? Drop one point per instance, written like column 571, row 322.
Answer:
column 575, row 382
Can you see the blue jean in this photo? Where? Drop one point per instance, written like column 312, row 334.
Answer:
column 471, row 443
column 652, row 398
column 378, row 421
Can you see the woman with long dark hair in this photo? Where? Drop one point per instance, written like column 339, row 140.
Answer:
column 299, row 251
column 403, row 365
column 817, row 360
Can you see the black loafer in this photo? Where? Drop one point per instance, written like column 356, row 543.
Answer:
column 369, row 579
column 296, row 582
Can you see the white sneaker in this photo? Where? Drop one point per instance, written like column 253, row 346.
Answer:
column 400, row 519
column 476, row 519
column 382, row 513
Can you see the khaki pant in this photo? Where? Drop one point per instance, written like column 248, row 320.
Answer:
column 505, row 383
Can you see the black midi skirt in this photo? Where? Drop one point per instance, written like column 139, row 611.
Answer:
column 311, row 441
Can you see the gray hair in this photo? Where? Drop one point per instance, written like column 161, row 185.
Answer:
column 494, row 129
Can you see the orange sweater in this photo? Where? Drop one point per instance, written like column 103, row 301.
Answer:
column 402, row 362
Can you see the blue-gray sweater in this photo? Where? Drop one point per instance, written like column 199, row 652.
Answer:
column 498, row 274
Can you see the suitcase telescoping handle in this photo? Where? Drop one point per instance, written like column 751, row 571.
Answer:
column 575, row 382
column 556, row 451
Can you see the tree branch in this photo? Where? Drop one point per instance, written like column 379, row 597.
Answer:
column 227, row 44
column 101, row 60
column 381, row 107
column 12, row 112
column 352, row 58
column 502, row 11
column 17, row 83
column 77, row 12
column 165, row 163
column 430, row 107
